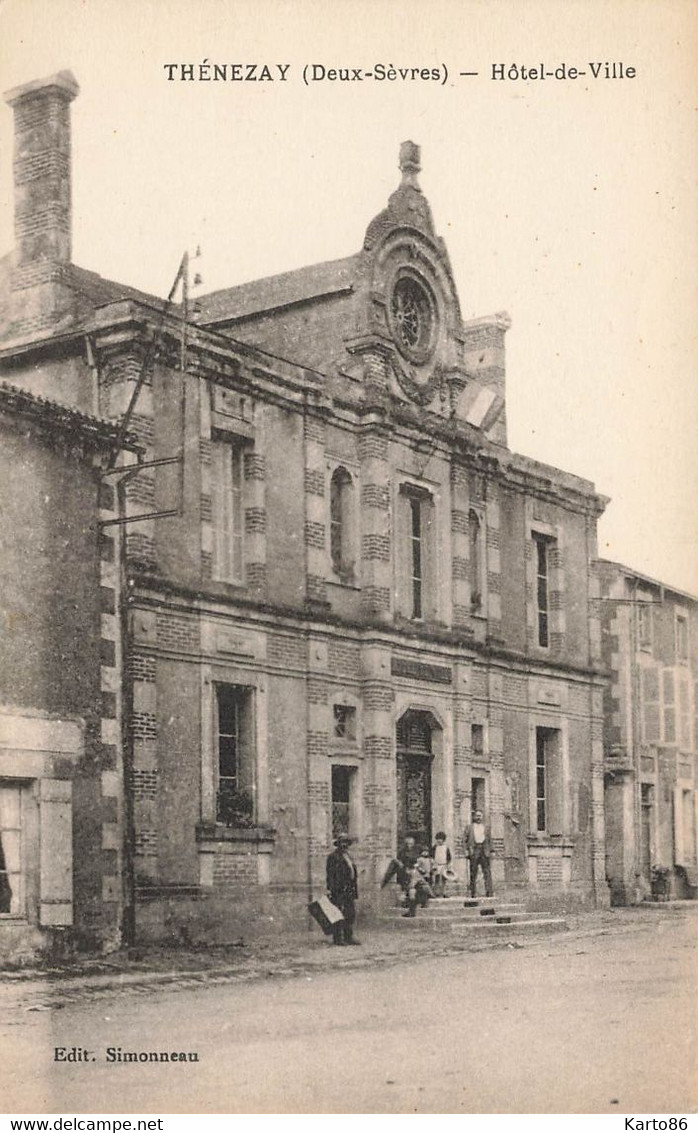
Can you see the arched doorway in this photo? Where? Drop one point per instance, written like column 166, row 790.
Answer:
column 415, row 753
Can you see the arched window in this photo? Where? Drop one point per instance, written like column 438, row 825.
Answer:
column 475, row 536
column 341, row 486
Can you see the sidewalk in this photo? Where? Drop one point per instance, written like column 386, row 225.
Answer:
column 308, row 953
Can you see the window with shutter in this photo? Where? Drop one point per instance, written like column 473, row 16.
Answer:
column 688, row 804
column 684, row 826
column 651, row 714
column 681, row 637
column 668, row 706
column 684, row 713
column 644, row 624
column 56, row 854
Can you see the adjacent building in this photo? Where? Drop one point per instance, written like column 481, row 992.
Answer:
column 61, row 773
column 650, row 648
column 349, row 606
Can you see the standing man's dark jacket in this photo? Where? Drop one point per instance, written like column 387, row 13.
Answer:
column 342, row 881
column 343, row 889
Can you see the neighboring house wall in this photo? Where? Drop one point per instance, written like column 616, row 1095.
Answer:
column 60, row 743
column 650, row 635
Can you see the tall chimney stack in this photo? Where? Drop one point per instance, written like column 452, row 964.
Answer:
column 42, row 298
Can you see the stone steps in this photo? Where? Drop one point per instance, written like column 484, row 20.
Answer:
column 530, row 924
column 442, row 910
column 480, row 916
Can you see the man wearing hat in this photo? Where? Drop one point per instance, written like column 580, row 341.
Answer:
column 478, row 843
column 342, row 888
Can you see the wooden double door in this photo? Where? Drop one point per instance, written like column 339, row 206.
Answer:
column 414, row 798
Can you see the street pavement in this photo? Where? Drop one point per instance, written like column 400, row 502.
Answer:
column 598, row 1020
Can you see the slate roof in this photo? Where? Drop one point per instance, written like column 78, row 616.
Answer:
column 303, row 285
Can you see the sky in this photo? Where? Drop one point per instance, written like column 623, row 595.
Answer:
column 570, row 204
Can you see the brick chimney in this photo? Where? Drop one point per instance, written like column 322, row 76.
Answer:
column 41, row 295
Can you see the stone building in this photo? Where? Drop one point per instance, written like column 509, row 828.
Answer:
column 61, row 776
column 650, row 647
column 350, row 605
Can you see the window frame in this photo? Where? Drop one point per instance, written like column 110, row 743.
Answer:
column 681, row 643
column 478, row 751
column 477, row 574
column 541, row 781
column 349, row 736
column 240, row 806
column 550, row 812
column 341, row 525
column 20, row 909
column 645, row 638
column 416, row 559
column 352, row 766
column 415, row 550
column 542, row 544
column 228, row 507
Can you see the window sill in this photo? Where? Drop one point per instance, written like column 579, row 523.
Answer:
column 542, row 841
column 230, row 583
column 343, row 583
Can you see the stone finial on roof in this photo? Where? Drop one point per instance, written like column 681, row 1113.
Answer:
column 409, row 164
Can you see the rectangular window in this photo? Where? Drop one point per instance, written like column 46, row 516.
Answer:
column 228, row 511
column 11, row 864
column 416, row 556
column 541, row 546
column 415, row 553
column 344, row 721
column 343, row 779
column 540, row 778
column 681, row 637
column 235, row 787
column 644, row 625
column 549, row 785
column 477, row 796
column 476, row 561
column 477, row 739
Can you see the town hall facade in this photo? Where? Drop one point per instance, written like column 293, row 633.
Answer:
column 349, row 606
